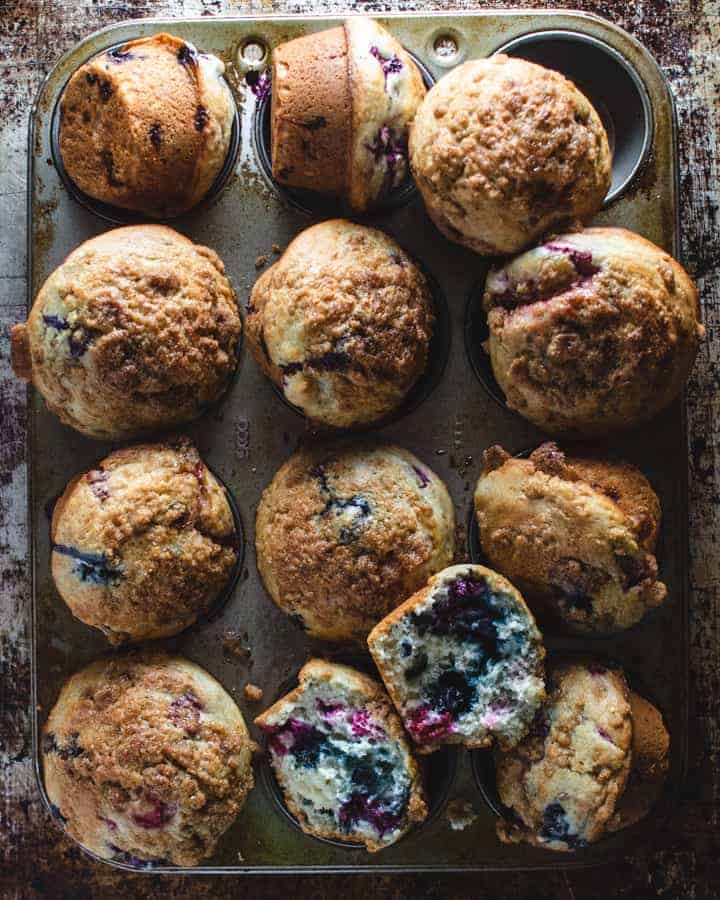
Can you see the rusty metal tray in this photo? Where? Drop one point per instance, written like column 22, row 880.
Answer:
column 248, row 436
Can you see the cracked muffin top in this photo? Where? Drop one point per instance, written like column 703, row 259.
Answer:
column 144, row 543
column 146, row 759
column 342, row 103
column 137, row 330
column 563, row 783
column 346, row 532
column 592, row 332
column 342, row 323
column 146, row 126
column 502, row 149
column 341, row 757
column 576, row 534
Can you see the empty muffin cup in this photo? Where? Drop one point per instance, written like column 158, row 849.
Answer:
column 307, row 201
column 117, row 215
column 438, row 354
column 611, row 84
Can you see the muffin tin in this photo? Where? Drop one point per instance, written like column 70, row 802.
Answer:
column 251, row 432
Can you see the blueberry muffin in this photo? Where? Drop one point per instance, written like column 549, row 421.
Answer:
column 143, row 543
column 592, row 332
column 503, row 149
column 563, row 783
column 342, row 103
column 462, row 660
column 342, row 324
column 342, row 760
column 137, row 330
column 576, row 534
column 146, row 760
column 146, row 126
column 345, row 532
column 651, row 763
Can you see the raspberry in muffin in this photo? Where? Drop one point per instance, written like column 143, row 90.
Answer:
column 341, row 323
column 345, row 532
column 562, row 784
column 342, row 103
column 576, row 534
column 137, row 330
column 502, row 149
column 593, row 332
column 147, row 759
column 147, row 126
column 341, row 758
column 462, row 660
column 144, row 543
column 650, row 766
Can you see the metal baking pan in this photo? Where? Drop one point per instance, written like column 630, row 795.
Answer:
column 247, row 437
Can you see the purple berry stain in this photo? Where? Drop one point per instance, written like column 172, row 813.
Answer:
column 259, row 83
column 390, row 65
column 300, row 739
column 423, row 477
column 581, row 259
column 185, row 712
column 427, row 725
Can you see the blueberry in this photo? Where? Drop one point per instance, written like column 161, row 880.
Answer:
column 184, row 712
column 71, row 750
column 581, row 259
column 259, row 83
column 451, row 693
column 56, row 322
column 301, row 740
column 186, row 55
column 201, row 118
column 158, row 815
column 557, row 828
column 417, row 666
column 90, row 567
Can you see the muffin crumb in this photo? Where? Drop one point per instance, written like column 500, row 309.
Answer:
column 253, row 693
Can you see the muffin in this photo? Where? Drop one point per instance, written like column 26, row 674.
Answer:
column 342, row 103
column 503, row 149
column 144, row 543
column 651, row 763
column 562, row 784
column 576, row 534
column 592, row 332
column 462, row 660
column 341, row 758
column 342, row 324
column 137, row 330
column 345, row 532
column 146, row 759
column 147, row 126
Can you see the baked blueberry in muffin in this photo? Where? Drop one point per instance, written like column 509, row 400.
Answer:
column 147, row 126
column 143, row 543
column 147, row 759
column 462, row 660
column 137, row 330
column 345, row 532
column 576, row 534
column 341, row 323
column 503, row 149
column 591, row 332
column 342, row 103
column 650, row 764
column 563, row 782
column 341, row 758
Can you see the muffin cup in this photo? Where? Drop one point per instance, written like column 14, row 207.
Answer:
column 116, row 215
column 611, row 84
column 476, row 331
column 438, row 768
column 438, row 354
column 309, row 202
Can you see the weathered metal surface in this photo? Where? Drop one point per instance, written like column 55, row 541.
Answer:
column 686, row 864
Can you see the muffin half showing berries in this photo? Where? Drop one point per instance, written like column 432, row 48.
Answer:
column 147, row 126
column 576, row 533
column 146, row 760
column 342, row 323
column 341, row 759
column 503, row 149
column 342, row 103
column 591, row 332
column 136, row 331
column 345, row 532
column 462, row 660
column 144, row 543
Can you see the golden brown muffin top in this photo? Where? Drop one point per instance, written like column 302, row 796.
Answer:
column 146, row 126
